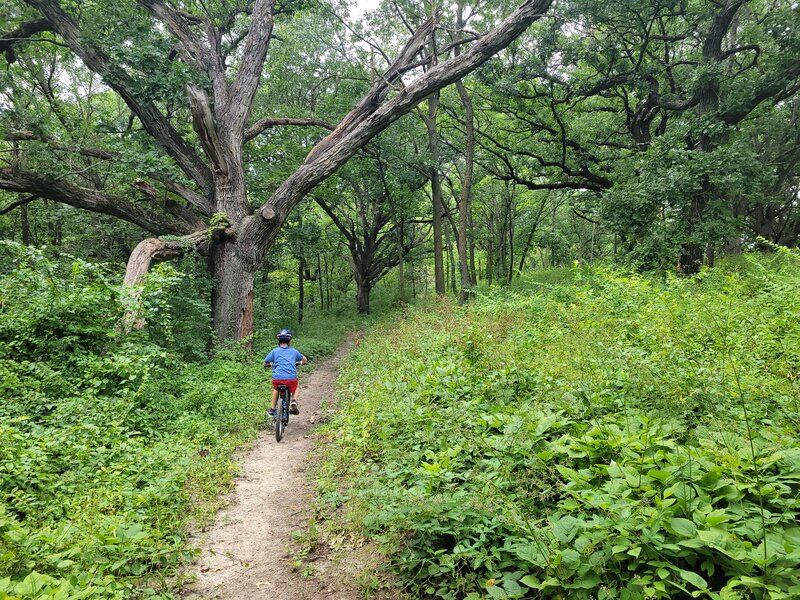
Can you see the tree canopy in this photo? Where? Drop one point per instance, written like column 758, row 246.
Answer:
column 657, row 133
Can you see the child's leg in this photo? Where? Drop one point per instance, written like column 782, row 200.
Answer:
column 274, row 398
column 296, row 395
column 293, row 408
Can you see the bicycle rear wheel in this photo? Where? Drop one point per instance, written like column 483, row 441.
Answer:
column 279, row 419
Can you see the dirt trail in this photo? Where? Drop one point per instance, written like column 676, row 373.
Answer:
column 248, row 553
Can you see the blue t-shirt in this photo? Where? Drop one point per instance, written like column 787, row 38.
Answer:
column 283, row 360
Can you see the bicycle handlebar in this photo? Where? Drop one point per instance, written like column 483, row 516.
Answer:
column 297, row 363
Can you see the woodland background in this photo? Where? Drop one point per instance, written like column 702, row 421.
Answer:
column 569, row 230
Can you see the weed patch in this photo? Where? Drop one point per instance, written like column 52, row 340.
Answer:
column 606, row 436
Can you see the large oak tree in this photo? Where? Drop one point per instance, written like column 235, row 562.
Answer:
column 188, row 73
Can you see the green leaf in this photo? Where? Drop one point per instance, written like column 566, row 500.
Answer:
column 546, row 424
column 31, row 585
column 570, row 559
column 512, row 588
column 716, row 517
column 693, row 578
column 683, row 527
column 497, row 592
column 565, row 529
column 531, row 553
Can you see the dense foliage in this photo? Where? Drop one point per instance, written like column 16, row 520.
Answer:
column 592, row 435
column 660, row 134
column 112, row 444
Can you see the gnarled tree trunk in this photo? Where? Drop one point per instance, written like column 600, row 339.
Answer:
column 363, row 290
column 232, row 298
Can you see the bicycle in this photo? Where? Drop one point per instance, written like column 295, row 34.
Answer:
column 281, row 418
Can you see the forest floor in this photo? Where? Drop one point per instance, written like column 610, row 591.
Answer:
column 259, row 546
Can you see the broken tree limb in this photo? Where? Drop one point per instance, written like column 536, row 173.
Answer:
column 152, row 250
column 204, row 126
column 145, row 253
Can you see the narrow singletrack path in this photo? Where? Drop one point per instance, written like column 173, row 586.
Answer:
column 249, row 551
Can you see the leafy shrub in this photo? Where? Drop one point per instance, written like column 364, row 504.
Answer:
column 111, row 445
column 609, row 436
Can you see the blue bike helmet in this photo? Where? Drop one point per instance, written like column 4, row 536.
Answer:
column 284, row 335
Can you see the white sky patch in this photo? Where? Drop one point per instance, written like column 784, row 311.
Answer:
column 362, row 6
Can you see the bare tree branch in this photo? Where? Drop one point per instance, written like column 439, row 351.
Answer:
column 262, row 125
column 244, row 86
column 19, row 136
column 17, row 204
column 61, row 191
column 20, row 35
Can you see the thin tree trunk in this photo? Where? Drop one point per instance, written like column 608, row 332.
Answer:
column 490, row 249
column 511, row 215
column 319, row 281
column 503, row 266
column 553, row 248
column 436, row 194
column 401, row 281
column 413, row 266
column 25, row 225
column 529, row 241
column 301, row 289
column 451, row 263
column 464, row 204
column 328, row 279
column 473, row 271
column 710, row 254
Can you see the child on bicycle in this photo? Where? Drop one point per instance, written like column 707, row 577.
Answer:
column 283, row 361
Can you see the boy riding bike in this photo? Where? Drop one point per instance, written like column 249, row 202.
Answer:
column 283, row 359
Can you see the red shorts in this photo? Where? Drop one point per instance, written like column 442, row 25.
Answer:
column 289, row 383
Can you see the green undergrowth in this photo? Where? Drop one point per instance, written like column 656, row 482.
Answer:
column 112, row 446
column 608, row 435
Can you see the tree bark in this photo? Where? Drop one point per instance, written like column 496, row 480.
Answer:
column 511, row 220
column 436, row 194
column 464, row 204
column 529, row 241
column 473, row 271
column 301, row 290
column 25, row 225
column 363, row 289
column 490, row 248
column 401, row 277
column 451, row 262
column 320, row 283
column 232, row 297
